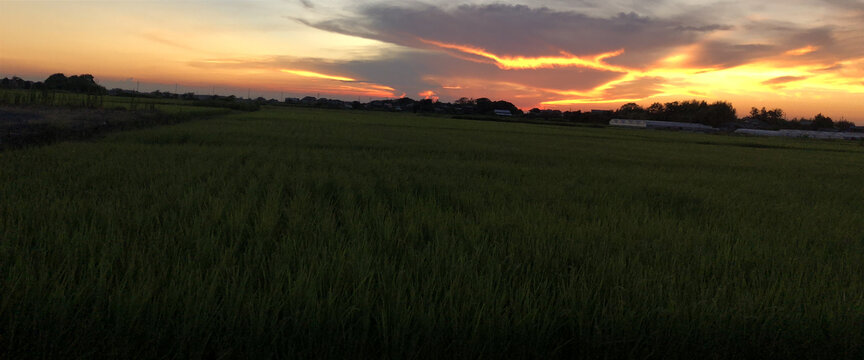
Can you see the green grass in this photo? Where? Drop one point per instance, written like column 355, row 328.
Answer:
column 309, row 233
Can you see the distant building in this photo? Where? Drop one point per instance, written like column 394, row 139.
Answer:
column 758, row 132
column 663, row 125
column 601, row 112
column 802, row 134
column 503, row 113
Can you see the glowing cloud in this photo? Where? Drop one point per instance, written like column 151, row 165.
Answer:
column 317, row 75
column 429, row 94
column 523, row 62
column 802, row 51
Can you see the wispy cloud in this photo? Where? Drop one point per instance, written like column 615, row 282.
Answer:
column 307, row 4
column 783, row 80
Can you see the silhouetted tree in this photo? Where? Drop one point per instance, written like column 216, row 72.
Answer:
column 718, row 113
column 822, row 122
column 483, row 106
column 56, row 82
column 426, row 105
column 506, row 105
column 631, row 111
column 843, row 125
column 464, row 101
column 774, row 117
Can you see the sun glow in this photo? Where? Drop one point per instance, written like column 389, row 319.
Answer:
column 802, row 51
column 523, row 62
column 317, row 75
column 429, row 95
column 672, row 76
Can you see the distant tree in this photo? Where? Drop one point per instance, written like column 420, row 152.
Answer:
column 843, row 125
column 822, row 122
column 718, row 113
column 631, row 107
column 483, row 106
column 403, row 102
column 656, row 111
column 685, row 111
column 84, row 83
column 506, row 105
column 631, row 111
column 773, row 117
column 425, row 105
column 17, row 83
column 464, row 101
column 56, row 82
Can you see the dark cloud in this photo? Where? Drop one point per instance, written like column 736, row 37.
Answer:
column 721, row 54
column 783, row 80
column 515, row 29
column 705, row 28
column 828, row 44
column 831, row 68
column 307, row 4
column 847, row 5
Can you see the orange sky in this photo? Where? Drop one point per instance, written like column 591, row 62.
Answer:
column 802, row 56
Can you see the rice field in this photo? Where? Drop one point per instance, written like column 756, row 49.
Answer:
column 304, row 233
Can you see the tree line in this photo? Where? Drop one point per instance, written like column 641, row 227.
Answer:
column 84, row 83
column 722, row 114
column 717, row 114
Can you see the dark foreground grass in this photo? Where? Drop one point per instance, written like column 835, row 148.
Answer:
column 306, row 233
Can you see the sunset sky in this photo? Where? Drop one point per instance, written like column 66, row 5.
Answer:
column 805, row 56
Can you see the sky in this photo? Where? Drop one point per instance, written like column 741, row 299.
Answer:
column 804, row 56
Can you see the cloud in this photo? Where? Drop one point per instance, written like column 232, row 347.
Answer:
column 164, row 40
column 624, row 91
column 783, row 80
column 720, row 54
column 582, row 52
column 307, row 4
column 516, row 29
column 417, row 71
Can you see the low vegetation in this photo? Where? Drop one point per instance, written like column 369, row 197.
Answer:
column 304, row 233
